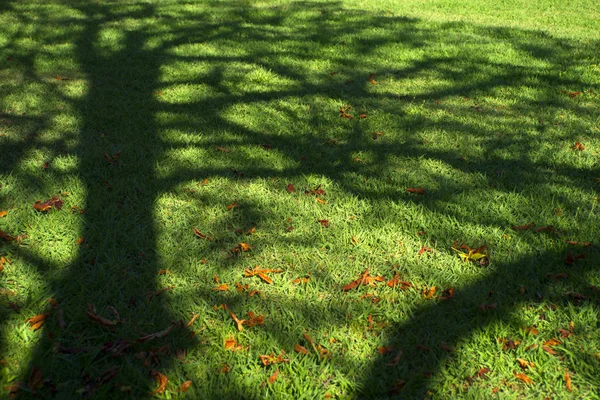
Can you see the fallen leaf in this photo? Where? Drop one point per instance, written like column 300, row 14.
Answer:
column 364, row 279
column 202, row 235
column 261, row 273
column 157, row 335
column 570, row 259
column 485, row 307
column 185, row 386
column 523, row 227
column 428, row 293
column 303, row 280
column 552, row 342
column 574, row 243
column 362, row 116
column 320, row 201
column 418, row 190
column 568, row 381
column 4, row 261
column 571, row 94
column 549, row 350
column 397, row 388
column 372, row 79
column 531, row 330
column 578, row 146
column 424, row 249
column 564, row 333
column 3, row 214
column 395, row 281
column 482, row 372
column 80, row 241
column 266, row 146
column 524, row 364
column 191, row 321
column 241, row 288
column 254, row 320
column 223, row 149
column 273, row 377
column 384, row 350
column 548, row 228
column 244, row 246
column 324, row 222
column 238, row 322
column 447, row 294
column 36, row 322
column 233, row 205
column 300, row 349
column 344, row 114
column 112, row 159
column 225, row 368
column 557, row 276
column 55, row 202
column 36, row 379
column 291, row 188
column 91, row 313
column 396, row 360
column 164, row 272
column 162, row 381
column 524, row 378
column 221, row 288
column 231, row 344
column 272, row 359
column 151, row 294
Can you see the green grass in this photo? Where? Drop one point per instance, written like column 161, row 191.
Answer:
column 472, row 102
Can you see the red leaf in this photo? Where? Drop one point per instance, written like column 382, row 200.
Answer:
column 418, row 190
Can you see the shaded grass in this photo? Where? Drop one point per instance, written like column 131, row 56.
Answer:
column 475, row 112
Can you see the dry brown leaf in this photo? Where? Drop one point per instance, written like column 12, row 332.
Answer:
column 232, row 205
column 223, row 149
column 300, row 349
column 91, row 313
column 395, row 281
column 531, row 330
column 291, row 188
column 272, row 359
column 303, row 280
column 162, row 381
column 261, row 273
column 36, row 322
column 523, row 227
column 202, row 235
column 372, row 79
column 255, row 320
column 191, row 321
column 324, row 222
column 273, row 377
column 80, row 241
column 221, row 288
column 524, row 378
column 231, row 344
column 552, row 342
column 447, row 294
column 424, row 249
column 578, row 146
column 364, row 279
column 419, row 190
column 3, row 214
column 48, row 204
column 157, row 335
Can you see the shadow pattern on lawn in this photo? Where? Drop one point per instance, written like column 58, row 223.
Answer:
column 119, row 223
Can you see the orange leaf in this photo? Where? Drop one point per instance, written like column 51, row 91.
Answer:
column 3, row 214
column 164, row 272
column 258, row 320
column 291, row 188
column 418, row 190
column 80, row 241
column 524, row 378
column 202, row 235
column 578, row 146
column 231, row 344
column 362, row 116
column 241, row 288
column 272, row 359
column 37, row 321
column 568, row 381
column 48, row 204
column 524, row 364
column 233, row 205
column 395, row 281
column 222, row 287
column 298, row 281
column 300, row 349
column 244, row 246
column 261, row 273
column 223, row 149
column 238, row 322
column 447, row 294
column 162, row 381
column 523, row 227
column 428, row 293
column 185, row 386
column 424, row 249
column 273, row 377
column 552, row 342
column 384, row 350
column 320, row 201
column 482, row 372
column 372, row 79
column 532, row 330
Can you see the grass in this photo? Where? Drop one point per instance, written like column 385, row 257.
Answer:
column 199, row 105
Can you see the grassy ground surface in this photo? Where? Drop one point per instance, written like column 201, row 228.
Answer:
column 150, row 119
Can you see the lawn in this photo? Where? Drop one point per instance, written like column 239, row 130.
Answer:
column 299, row 200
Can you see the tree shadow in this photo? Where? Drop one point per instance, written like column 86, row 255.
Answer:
column 124, row 114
